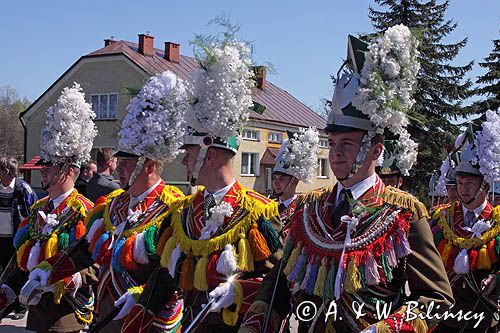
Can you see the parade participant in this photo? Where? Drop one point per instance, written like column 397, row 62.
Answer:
column 103, row 183
column 359, row 242
column 297, row 160
column 387, row 169
column 122, row 231
column 221, row 233
column 57, row 220
column 445, row 186
column 466, row 231
column 495, row 194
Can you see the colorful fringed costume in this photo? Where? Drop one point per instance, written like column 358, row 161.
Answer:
column 123, row 243
column 41, row 235
column 390, row 244
column 245, row 240
column 469, row 257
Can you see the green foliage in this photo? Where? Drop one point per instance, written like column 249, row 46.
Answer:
column 490, row 81
column 441, row 85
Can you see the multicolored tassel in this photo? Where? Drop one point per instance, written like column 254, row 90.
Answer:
column 245, row 258
column 200, row 274
column 187, row 272
column 258, row 244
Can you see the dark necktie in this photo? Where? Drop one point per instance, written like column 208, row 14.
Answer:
column 342, row 207
column 208, row 203
column 470, row 218
column 281, row 208
column 50, row 207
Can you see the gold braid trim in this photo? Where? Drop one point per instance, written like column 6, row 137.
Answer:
column 254, row 207
column 469, row 243
column 166, row 197
column 314, row 195
column 394, row 196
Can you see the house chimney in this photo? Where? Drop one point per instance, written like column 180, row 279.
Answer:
column 172, row 52
column 260, row 77
column 109, row 41
column 146, row 44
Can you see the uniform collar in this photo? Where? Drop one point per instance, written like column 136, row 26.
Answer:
column 57, row 201
column 357, row 190
column 134, row 201
column 219, row 194
column 477, row 211
column 288, row 201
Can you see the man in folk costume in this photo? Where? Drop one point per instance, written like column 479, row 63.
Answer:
column 122, row 230
column 57, row 220
column 297, row 160
column 467, row 232
column 216, row 244
column 359, row 241
column 446, row 185
column 387, row 168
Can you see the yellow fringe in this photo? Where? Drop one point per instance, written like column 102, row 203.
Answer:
column 405, row 200
column 319, row 286
column 352, row 281
column 419, row 325
column 167, row 251
column 446, row 252
column 483, row 258
column 51, row 246
column 83, row 320
column 200, row 274
column 206, row 247
column 231, row 317
column 20, row 252
column 76, row 204
column 317, row 194
column 469, row 243
column 329, row 326
column 245, row 258
column 294, row 256
column 59, row 291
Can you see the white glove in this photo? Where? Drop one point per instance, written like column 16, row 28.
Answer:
column 7, row 296
column 128, row 300
column 223, row 295
column 40, row 275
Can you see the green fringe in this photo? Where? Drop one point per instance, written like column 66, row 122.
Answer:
column 497, row 246
column 288, row 249
column 329, row 292
column 438, row 236
column 62, row 240
column 149, row 242
column 314, row 195
column 270, row 235
column 387, row 268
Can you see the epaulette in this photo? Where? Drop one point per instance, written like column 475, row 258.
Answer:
column 173, row 190
column 436, row 210
column 255, row 195
column 397, row 197
column 86, row 202
column 318, row 194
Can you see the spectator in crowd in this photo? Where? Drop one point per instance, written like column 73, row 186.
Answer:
column 102, row 183
column 16, row 196
column 87, row 171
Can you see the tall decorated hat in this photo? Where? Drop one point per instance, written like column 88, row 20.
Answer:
column 446, row 177
column 154, row 125
column 374, row 90
column 69, row 131
column 222, row 98
column 386, row 164
column 479, row 148
column 298, row 155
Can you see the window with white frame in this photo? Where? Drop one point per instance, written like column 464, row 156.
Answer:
column 323, row 143
column 250, row 164
column 104, row 105
column 275, row 137
column 323, row 168
column 250, row 134
column 268, row 180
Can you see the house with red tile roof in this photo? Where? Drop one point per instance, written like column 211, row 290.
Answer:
column 108, row 75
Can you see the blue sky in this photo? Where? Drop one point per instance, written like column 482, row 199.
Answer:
column 304, row 40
